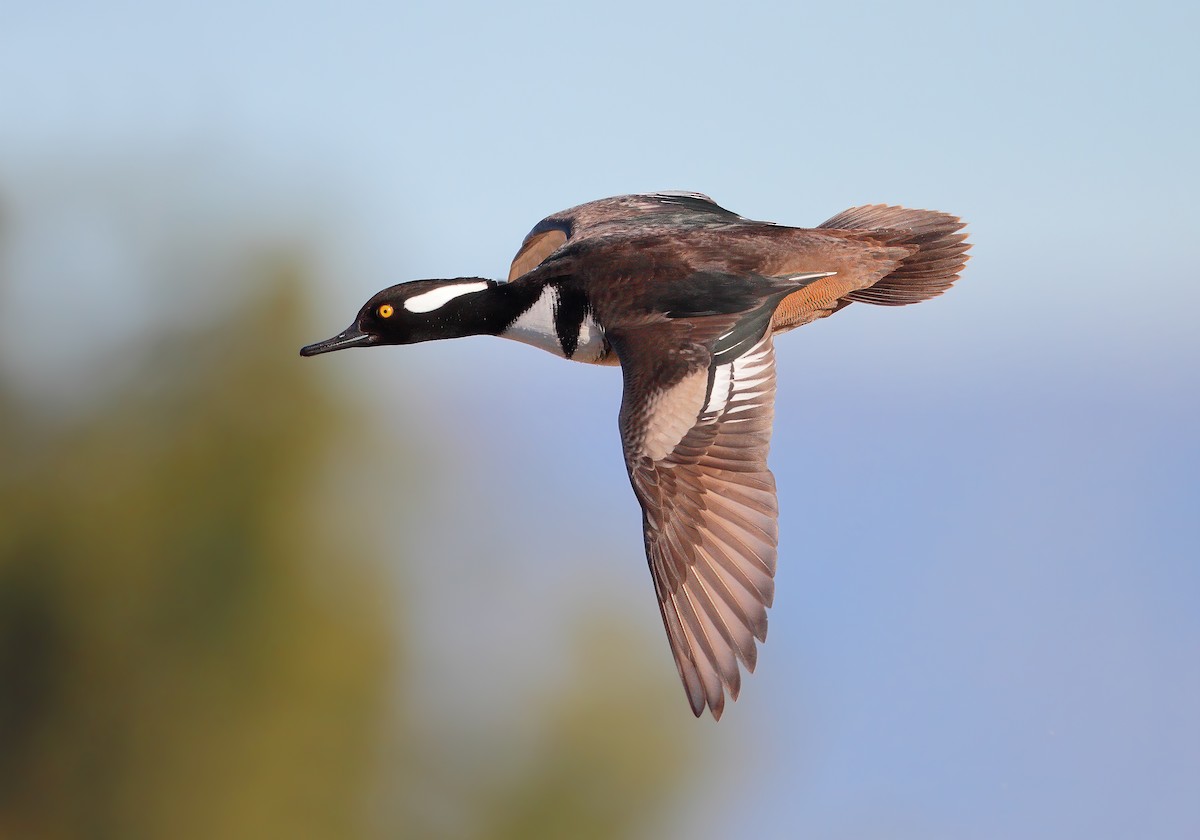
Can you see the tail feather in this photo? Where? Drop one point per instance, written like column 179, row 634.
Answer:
column 939, row 251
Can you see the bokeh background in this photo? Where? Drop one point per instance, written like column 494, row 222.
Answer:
column 402, row 594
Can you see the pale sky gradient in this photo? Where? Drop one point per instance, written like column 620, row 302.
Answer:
column 988, row 619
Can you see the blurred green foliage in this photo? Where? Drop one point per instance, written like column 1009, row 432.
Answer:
column 186, row 650
column 169, row 666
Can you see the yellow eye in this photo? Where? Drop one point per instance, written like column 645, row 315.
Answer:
column 386, row 311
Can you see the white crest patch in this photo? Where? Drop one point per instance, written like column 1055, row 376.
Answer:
column 439, row 297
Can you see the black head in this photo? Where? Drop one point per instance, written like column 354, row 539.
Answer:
column 422, row 310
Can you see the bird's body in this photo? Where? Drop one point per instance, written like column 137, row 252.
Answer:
column 687, row 297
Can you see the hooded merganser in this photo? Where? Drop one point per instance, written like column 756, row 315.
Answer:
column 687, row 297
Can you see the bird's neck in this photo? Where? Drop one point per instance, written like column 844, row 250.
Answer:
column 554, row 316
column 467, row 306
column 557, row 317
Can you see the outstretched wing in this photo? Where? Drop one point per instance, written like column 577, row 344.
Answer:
column 696, row 427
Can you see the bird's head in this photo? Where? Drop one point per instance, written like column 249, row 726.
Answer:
column 422, row 310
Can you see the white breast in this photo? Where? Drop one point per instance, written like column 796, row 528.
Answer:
column 536, row 324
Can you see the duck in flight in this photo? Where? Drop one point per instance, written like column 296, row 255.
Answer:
column 687, row 297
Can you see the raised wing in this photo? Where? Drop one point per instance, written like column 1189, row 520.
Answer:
column 538, row 245
column 696, row 427
column 619, row 214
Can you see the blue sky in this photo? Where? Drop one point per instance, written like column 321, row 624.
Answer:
column 987, row 619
